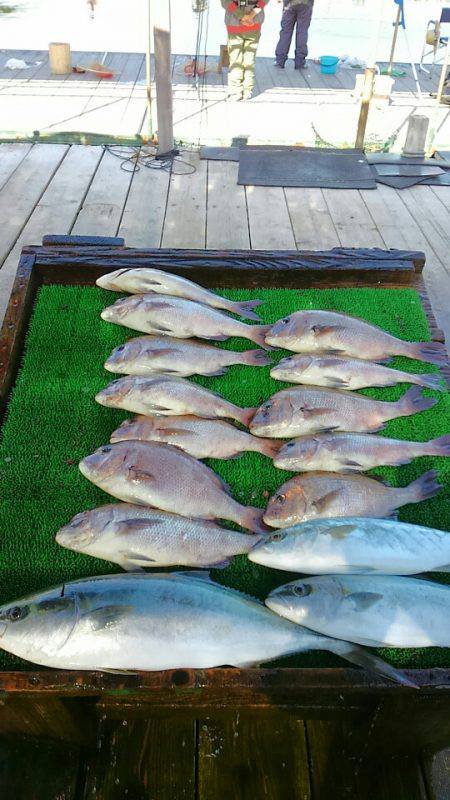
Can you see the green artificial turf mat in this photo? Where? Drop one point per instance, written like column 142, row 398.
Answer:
column 53, row 421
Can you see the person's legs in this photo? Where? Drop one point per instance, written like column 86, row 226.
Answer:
column 303, row 17
column 288, row 21
column 236, row 67
column 250, row 48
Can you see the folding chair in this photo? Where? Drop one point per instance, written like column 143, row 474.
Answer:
column 435, row 40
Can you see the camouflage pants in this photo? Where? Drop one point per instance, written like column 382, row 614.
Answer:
column 241, row 72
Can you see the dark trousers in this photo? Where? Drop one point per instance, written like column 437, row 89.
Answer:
column 300, row 16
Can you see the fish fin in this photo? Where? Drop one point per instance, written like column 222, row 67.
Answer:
column 199, row 574
column 106, row 616
column 169, row 431
column 257, row 334
column 127, row 526
column 413, row 402
column 424, row 487
column 323, row 330
column 137, row 558
column 340, row 531
column 329, row 429
column 246, row 415
column 161, row 304
column 129, row 567
column 215, row 373
column 160, row 328
column 218, row 338
column 433, row 352
column 364, row 600
column 381, row 480
column 245, row 309
column 335, row 383
column 153, row 407
column 234, row 457
column 431, row 381
column 252, row 519
column 367, row 660
column 219, row 564
column 349, row 463
column 163, row 351
column 316, row 412
column 139, row 476
column 321, row 504
column 255, row 358
column 438, row 447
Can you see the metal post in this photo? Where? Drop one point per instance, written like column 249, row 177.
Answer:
column 445, row 66
column 164, row 102
column 394, row 41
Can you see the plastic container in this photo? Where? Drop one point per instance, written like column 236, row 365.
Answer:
column 328, row 64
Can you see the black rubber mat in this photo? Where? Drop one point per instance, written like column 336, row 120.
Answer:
column 408, row 170
column 220, row 153
column 397, row 182
column 305, row 167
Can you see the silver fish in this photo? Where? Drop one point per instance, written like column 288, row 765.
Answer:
column 299, row 411
column 166, row 355
column 136, row 536
column 169, row 396
column 159, row 475
column 375, row 610
column 353, row 452
column 316, row 495
column 355, row 545
column 337, row 372
column 181, row 318
column 330, row 332
column 202, row 438
column 156, row 622
column 144, row 280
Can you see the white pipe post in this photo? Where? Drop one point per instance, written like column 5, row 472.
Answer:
column 148, row 72
column 164, row 101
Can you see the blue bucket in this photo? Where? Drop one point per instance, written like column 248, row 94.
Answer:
column 328, row 64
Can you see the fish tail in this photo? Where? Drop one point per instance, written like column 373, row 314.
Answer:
column 245, row 309
column 433, row 352
column 364, row 658
column 437, row 447
column 424, row 487
column 255, row 358
column 430, row 381
column 268, row 447
column 257, row 334
column 245, row 415
column 413, row 401
column 252, row 519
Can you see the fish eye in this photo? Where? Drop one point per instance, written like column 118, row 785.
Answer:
column 303, row 590
column 290, row 444
column 285, row 320
column 119, row 349
column 15, row 613
column 106, row 449
column 280, row 498
column 277, row 537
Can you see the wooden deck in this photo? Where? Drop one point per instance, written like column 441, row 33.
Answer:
column 288, row 106
column 56, row 188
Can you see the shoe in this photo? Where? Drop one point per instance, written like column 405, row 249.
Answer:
column 277, row 65
column 247, row 96
column 234, row 98
column 302, row 65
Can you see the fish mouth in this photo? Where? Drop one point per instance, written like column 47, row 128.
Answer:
column 109, row 365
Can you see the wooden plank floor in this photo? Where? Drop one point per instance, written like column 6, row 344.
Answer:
column 63, row 189
column 83, row 190
column 229, row 757
column 35, row 100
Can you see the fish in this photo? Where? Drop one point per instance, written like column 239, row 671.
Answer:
column 144, row 280
column 147, row 622
column 319, row 495
column 299, row 411
column 202, row 438
column 174, row 316
column 163, row 476
column 166, row 355
column 320, row 331
column 168, row 396
column 336, row 372
column 374, row 610
column 135, row 537
column 353, row 452
column 355, row 545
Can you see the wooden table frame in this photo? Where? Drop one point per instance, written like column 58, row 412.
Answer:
column 63, row 704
